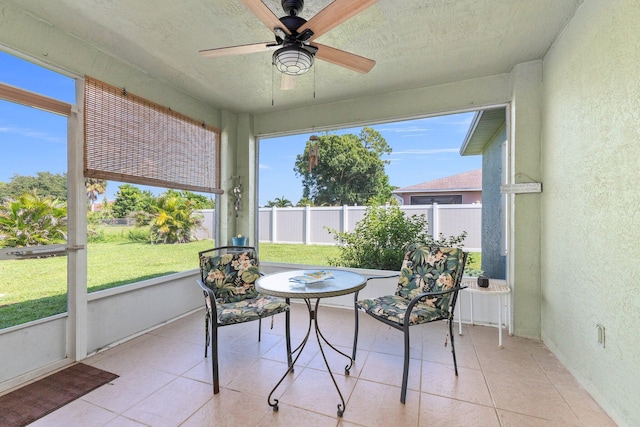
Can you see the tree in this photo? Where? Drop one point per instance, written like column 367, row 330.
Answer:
column 31, row 220
column 380, row 239
column 280, row 202
column 305, row 202
column 130, row 199
column 46, row 184
column 349, row 169
column 95, row 187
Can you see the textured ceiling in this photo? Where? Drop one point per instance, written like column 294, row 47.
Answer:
column 415, row 43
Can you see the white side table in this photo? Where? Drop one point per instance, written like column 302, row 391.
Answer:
column 497, row 287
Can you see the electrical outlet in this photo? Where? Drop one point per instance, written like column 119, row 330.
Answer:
column 601, row 335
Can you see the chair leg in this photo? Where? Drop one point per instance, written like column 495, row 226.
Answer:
column 287, row 333
column 453, row 347
column 405, row 371
column 355, row 332
column 259, row 329
column 214, row 358
column 207, row 337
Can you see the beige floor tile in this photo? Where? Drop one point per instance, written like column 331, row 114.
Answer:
column 534, row 398
column 260, row 377
column 127, row 390
column 375, row 404
column 165, row 379
column 512, row 419
column 172, row 404
column 587, row 410
column 314, row 390
column 230, row 408
column 469, row 385
column 123, row 422
column 76, row 413
column 437, row 411
column 387, row 369
column 288, row 416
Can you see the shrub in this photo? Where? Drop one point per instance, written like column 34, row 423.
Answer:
column 31, row 220
column 380, row 239
column 174, row 220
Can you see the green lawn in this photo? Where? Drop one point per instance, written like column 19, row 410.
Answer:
column 36, row 288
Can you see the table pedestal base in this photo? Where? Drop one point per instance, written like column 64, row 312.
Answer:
column 313, row 311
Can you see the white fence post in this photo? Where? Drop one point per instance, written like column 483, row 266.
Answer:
column 435, row 227
column 307, row 224
column 274, row 225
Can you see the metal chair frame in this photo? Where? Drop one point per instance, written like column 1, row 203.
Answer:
column 404, row 327
column 211, row 317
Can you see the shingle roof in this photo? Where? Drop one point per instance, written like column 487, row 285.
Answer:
column 466, row 181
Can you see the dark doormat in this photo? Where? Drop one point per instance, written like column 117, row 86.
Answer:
column 35, row 400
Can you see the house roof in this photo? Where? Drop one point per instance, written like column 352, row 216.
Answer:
column 484, row 126
column 466, row 181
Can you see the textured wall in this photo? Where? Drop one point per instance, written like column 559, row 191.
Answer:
column 494, row 263
column 591, row 202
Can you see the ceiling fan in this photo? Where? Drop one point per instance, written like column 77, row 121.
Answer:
column 295, row 49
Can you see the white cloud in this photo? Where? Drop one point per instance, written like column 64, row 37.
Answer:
column 29, row 133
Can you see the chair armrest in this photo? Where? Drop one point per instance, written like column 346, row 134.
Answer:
column 418, row 297
column 383, row 277
column 212, row 298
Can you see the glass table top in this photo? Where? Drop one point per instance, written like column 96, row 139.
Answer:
column 319, row 283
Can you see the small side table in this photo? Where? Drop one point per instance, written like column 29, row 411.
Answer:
column 497, row 287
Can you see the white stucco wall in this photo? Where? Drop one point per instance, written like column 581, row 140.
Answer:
column 591, row 202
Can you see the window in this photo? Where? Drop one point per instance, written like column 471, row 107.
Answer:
column 441, row 200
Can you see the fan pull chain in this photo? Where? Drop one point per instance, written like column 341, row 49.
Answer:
column 272, row 77
column 314, row 81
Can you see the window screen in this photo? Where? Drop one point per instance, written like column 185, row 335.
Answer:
column 130, row 139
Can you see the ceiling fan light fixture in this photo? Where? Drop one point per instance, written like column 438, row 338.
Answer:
column 292, row 60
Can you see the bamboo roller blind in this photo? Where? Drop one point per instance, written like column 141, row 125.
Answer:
column 130, row 139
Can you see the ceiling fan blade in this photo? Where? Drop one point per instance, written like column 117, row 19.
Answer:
column 288, row 81
column 264, row 14
column 236, row 50
column 344, row 59
column 334, row 14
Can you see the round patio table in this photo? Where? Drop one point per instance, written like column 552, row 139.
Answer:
column 307, row 285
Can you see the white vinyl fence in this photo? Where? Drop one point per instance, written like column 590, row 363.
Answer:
column 307, row 225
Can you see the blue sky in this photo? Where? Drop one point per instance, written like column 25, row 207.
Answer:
column 33, row 141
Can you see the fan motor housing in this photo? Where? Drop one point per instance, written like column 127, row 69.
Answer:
column 292, row 22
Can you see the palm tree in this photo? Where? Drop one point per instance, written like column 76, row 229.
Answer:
column 94, row 187
column 280, row 202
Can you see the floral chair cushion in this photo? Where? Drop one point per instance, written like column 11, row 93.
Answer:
column 231, row 276
column 430, row 269
column 393, row 308
column 424, row 269
column 250, row 309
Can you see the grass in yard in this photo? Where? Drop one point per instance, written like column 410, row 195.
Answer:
column 32, row 289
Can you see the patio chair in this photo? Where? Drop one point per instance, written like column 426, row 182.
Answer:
column 427, row 291
column 227, row 279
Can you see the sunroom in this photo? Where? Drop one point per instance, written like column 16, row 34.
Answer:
column 562, row 71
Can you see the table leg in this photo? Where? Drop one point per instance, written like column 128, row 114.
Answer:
column 500, row 308
column 313, row 317
column 297, row 350
column 509, row 319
